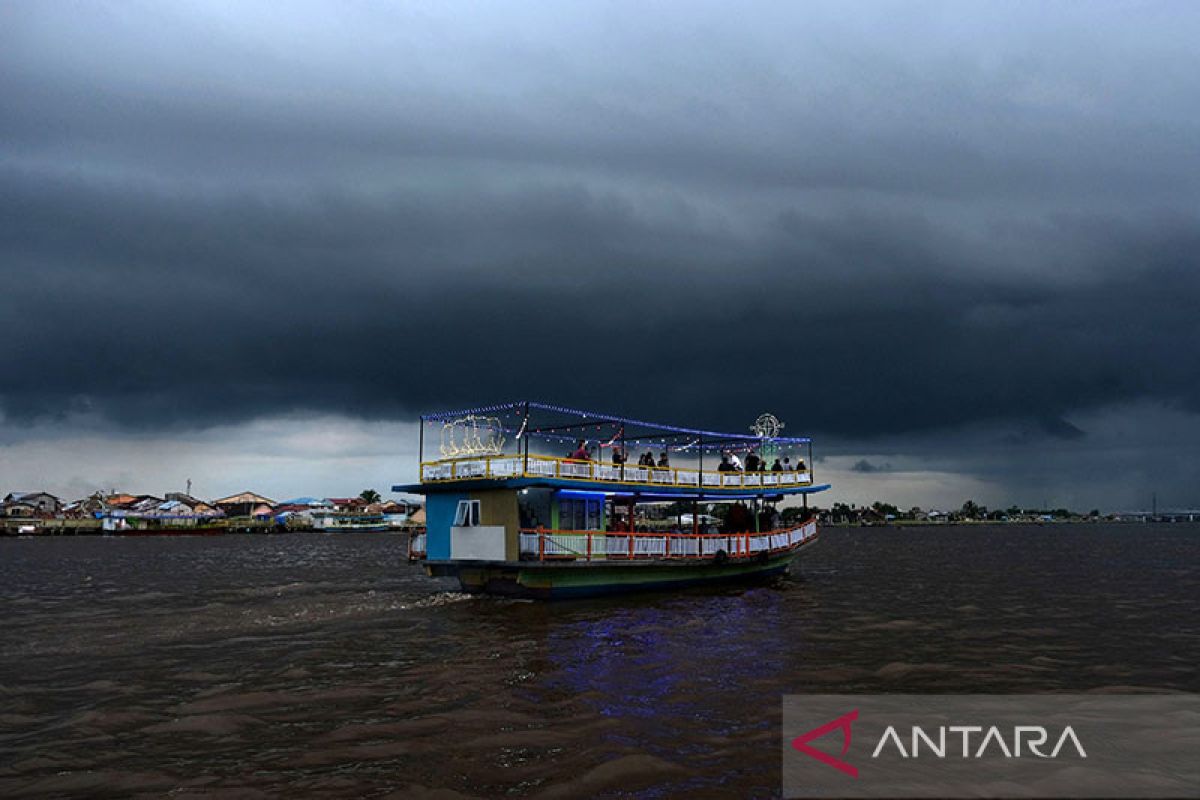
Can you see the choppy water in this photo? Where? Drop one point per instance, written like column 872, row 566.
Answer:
column 325, row 665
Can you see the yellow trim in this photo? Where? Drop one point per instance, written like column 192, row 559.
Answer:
column 520, row 472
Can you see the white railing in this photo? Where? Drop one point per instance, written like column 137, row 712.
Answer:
column 501, row 467
column 543, row 544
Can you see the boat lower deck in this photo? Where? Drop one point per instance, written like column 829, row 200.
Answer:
column 566, row 579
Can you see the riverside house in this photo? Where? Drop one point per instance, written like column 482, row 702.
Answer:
column 31, row 504
column 245, row 504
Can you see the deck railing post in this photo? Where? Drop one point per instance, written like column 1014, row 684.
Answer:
column 589, row 546
column 541, row 544
column 524, row 445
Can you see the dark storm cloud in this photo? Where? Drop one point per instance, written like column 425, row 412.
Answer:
column 870, row 226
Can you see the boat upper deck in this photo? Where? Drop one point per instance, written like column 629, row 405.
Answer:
column 535, row 444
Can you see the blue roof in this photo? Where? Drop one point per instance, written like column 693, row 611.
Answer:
column 302, row 501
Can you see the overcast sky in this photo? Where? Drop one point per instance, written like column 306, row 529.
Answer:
column 957, row 243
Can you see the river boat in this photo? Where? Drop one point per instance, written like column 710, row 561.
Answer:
column 350, row 523
column 120, row 524
column 535, row 500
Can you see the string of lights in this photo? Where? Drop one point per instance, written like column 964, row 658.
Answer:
column 520, row 407
column 744, row 444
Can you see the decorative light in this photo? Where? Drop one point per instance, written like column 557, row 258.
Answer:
column 472, row 436
column 767, row 426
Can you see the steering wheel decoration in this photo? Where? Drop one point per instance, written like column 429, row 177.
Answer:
column 767, row 426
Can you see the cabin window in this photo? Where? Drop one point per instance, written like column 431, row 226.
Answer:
column 467, row 515
column 579, row 514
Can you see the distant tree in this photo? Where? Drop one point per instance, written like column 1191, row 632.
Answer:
column 970, row 510
column 883, row 509
column 791, row 514
column 1095, row 512
column 369, row 496
column 719, row 510
column 841, row 512
column 678, row 507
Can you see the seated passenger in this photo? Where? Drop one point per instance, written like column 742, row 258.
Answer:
column 738, row 519
column 777, row 466
column 753, row 462
column 581, row 452
column 663, row 462
column 618, row 456
column 736, row 462
column 725, row 466
column 787, row 464
column 647, row 459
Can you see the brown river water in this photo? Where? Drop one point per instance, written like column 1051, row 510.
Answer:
column 325, row 665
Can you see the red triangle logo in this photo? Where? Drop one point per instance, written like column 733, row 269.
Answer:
column 843, row 722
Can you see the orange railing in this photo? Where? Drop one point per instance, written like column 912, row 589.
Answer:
column 540, row 544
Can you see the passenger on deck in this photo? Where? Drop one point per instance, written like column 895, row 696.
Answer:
column 618, row 456
column 753, row 462
column 737, row 462
column 581, row 452
column 800, row 465
column 787, row 464
column 739, row 519
column 768, row 519
column 663, row 461
column 777, row 466
column 725, row 466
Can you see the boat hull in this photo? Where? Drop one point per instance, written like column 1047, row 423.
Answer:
column 553, row 581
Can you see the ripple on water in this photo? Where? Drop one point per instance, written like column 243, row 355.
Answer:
column 329, row 666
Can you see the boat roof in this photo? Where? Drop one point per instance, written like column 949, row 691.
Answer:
column 551, row 418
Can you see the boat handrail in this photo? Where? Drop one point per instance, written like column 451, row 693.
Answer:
column 503, row 467
column 543, row 544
